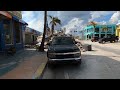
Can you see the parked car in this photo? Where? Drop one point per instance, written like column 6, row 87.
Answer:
column 95, row 39
column 109, row 39
column 63, row 48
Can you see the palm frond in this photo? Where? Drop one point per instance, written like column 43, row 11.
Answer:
column 54, row 20
column 51, row 22
column 54, row 23
column 50, row 16
column 57, row 20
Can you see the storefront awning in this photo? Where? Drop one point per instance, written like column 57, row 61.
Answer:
column 6, row 14
column 19, row 20
column 15, row 18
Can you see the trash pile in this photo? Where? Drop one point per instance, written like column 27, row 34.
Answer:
column 84, row 47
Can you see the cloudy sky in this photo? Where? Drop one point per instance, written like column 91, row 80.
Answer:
column 71, row 19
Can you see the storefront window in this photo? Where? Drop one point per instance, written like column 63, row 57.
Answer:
column 97, row 30
column 96, row 35
column 102, row 35
column 18, row 32
column 8, row 32
column 114, row 29
column 109, row 29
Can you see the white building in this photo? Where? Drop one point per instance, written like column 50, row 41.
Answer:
column 30, row 35
column 75, row 32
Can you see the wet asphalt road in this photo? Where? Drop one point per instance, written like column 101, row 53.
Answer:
column 92, row 67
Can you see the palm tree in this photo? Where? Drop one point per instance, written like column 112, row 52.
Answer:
column 41, row 48
column 54, row 21
column 93, row 23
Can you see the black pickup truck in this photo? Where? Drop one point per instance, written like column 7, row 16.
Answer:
column 63, row 49
column 109, row 39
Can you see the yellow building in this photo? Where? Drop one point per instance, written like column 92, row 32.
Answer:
column 118, row 29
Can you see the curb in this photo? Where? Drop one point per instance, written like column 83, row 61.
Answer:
column 39, row 71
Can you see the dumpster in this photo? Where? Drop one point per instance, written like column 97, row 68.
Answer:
column 87, row 47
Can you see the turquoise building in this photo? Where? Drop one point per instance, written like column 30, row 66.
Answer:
column 99, row 30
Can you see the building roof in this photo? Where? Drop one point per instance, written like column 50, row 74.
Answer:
column 31, row 30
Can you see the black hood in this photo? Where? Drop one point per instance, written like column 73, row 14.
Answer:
column 63, row 48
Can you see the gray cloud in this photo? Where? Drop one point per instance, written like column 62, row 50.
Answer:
column 84, row 16
column 115, row 17
column 98, row 14
column 68, row 18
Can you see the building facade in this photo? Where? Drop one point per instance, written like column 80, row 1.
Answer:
column 30, row 36
column 74, row 32
column 99, row 31
column 81, row 35
column 118, row 29
column 11, row 28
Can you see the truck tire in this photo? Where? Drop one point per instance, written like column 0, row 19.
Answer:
column 111, row 41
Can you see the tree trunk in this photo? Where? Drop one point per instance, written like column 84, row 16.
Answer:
column 52, row 29
column 41, row 48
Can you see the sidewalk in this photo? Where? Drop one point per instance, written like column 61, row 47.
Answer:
column 110, row 45
column 30, row 68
